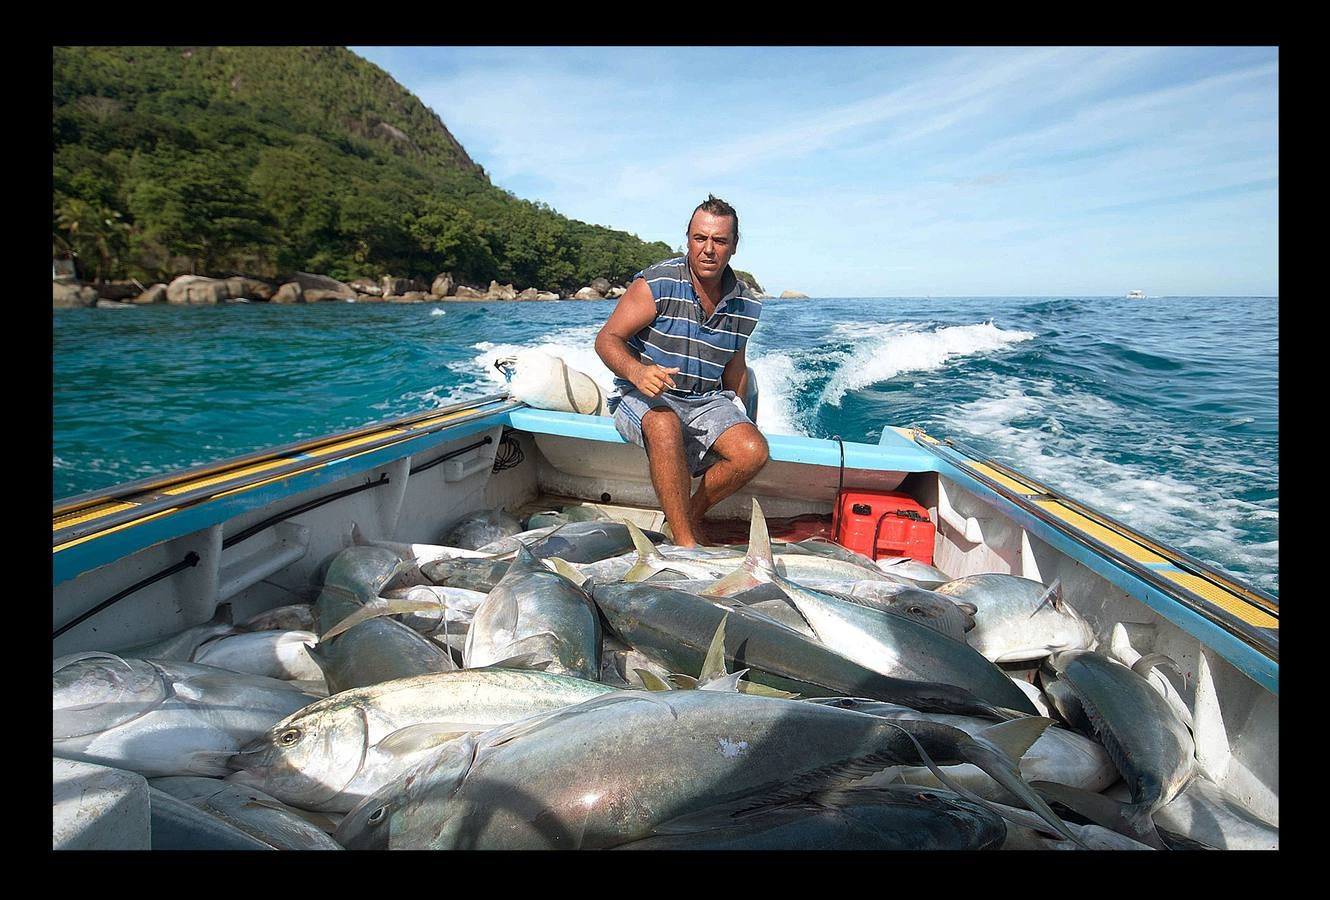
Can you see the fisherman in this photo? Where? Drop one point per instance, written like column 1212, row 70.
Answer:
column 676, row 342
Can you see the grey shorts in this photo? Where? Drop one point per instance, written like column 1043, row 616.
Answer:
column 704, row 419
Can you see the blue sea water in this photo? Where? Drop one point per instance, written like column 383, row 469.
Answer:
column 1163, row 412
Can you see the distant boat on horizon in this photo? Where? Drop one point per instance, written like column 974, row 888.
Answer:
column 1136, row 295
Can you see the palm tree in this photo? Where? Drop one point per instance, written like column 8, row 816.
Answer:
column 93, row 228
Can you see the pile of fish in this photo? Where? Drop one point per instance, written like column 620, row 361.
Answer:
column 586, row 685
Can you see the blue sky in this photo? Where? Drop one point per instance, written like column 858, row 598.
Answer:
column 905, row 171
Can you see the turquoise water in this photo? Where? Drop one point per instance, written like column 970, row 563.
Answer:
column 1163, row 412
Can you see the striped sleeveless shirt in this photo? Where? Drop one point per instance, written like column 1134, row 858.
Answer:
column 679, row 338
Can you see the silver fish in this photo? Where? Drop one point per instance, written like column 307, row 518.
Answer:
column 1058, row 755
column 896, row 646
column 711, row 562
column 175, row 824
column 161, row 717
column 276, row 654
column 335, row 752
column 611, row 769
column 294, row 617
column 474, row 530
column 250, row 810
column 1018, row 619
column 1145, row 738
column 182, row 644
column 921, row 574
column 1205, row 812
column 535, row 611
column 378, row 650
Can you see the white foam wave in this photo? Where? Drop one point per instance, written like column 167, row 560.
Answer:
column 1019, row 418
column 778, row 381
column 899, row 347
column 438, row 312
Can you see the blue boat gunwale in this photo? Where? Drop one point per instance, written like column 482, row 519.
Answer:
column 893, row 452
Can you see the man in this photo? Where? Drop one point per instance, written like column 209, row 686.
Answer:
column 676, row 340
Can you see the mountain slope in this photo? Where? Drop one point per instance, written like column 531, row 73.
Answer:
column 274, row 159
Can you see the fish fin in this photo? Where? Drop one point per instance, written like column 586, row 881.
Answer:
column 209, row 763
column 1124, row 818
column 828, row 778
column 675, row 575
column 724, row 683
column 1143, row 666
column 502, row 734
column 379, row 606
column 999, row 766
column 524, row 557
column 684, row 682
column 564, row 568
column 414, row 738
column 759, row 539
column 358, row 538
column 645, row 549
column 744, row 578
column 640, row 571
column 713, row 666
column 651, row 681
column 1054, row 597
column 531, row 660
column 732, row 816
column 761, row 690
column 1016, row 737
column 64, row 661
column 993, row 761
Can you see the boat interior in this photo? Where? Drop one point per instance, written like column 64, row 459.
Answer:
column 270, row 550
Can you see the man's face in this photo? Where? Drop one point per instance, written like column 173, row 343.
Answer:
column 710, row 244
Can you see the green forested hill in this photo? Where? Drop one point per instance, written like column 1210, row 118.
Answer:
column 268, row 160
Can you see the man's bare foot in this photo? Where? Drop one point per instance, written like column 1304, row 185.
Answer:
column 691, row 535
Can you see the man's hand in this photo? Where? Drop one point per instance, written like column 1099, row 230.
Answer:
column 653, row 379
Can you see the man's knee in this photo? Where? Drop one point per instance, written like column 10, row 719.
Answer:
column 746, row 447
column 661, row 426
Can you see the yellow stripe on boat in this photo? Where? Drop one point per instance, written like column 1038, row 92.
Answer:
column 1006, row 481
column 105, row 531
column 96, row 512
column 319, row 456
column 231, row 474
column 1212, row 588
column 1124, row 545
column 1223, row 598
column 338, row 447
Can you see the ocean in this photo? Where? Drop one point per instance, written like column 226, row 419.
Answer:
column 1160, row 412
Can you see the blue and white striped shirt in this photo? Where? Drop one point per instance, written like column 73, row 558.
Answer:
column 679, row 338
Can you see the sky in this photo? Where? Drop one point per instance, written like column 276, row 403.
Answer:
column 895, row 171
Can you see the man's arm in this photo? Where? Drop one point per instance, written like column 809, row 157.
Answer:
column 735, row 376
column 636, row 310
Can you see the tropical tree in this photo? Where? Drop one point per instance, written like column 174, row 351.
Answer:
column 94, row 231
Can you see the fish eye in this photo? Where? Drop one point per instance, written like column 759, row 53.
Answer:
column 377, row 816
column 916, row 610
column 288, row 737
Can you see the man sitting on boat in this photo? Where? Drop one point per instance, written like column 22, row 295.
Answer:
column 676, row 342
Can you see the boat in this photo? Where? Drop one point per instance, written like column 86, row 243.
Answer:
column 1136, row 295
column 143, row 560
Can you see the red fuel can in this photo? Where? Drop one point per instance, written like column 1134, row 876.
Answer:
column 879, row 524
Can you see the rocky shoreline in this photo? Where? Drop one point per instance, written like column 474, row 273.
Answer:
column 305, row 287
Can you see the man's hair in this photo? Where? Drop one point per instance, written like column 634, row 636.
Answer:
column 717, row 207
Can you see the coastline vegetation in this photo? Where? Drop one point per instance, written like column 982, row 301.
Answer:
column 270, row 160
